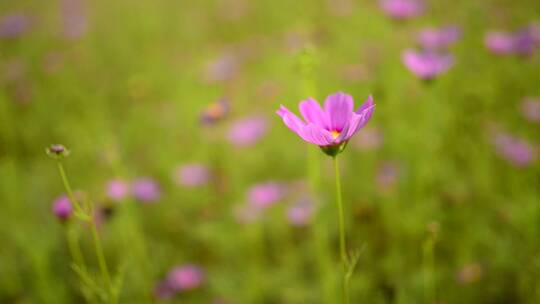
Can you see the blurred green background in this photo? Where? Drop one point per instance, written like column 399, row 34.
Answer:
column 441, row 216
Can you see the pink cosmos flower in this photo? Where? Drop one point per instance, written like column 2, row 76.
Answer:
column 186, row 277
column 426, row 64
column 500, row 43
column 517, row 151
column 402, row 9
column 74, row 18
column 192, row 175
column 146, row 190
column 530, row 108
column 62, row 208
column 265, row 194
column 117, row 190
column 301, row 212
column 248, row 131
column 14, row 25
column 331, row 127
column 438, row 38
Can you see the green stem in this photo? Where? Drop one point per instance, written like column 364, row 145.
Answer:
column 101, row 261
column 74, row 247
column 342, row 245
column 67, row 186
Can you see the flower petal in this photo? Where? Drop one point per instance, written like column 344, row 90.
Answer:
column 316, row 135
column 338, row 107
column 313, row 113
column 291, row 120
column 360, row 118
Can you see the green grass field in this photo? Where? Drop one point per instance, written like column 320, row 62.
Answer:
column 436, row 203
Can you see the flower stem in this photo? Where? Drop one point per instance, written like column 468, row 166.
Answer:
column 65, row 180
column 74, row 246
column 342, row 245
column 101, row 261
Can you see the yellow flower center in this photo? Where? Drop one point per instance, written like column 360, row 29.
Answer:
column 335, row 134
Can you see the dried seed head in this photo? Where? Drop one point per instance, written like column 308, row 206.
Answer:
column 57, row 151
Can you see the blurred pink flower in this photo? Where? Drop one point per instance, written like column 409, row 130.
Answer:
column 402, row 9
column 517, row 151
column 530, row 108
column 248, row 131
column 117, row 189
column 14, row 25
column 62, row 208
column 146, row 190
column 387, row 176
column 300, row 213
column 74, row 18
column 222, row 68
column 438, row 38
column 369, row 139
column 426, row 64
column 192, row 175
column 186, row 277
column 523, row 42
column 264, row 195
column 500, row 43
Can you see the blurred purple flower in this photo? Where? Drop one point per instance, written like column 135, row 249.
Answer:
column 369, row 139
column 192, row 175
column 438, row 38
column 117, row 189
column 301, row 212
column 264, row 195
column 163, row 291
column 517, row 151
column 62, row 208
column 14, row 25
column 524, row 43
column 146, row 190
column 74, row 17
column 500, row 43
column 248, row 131
column 222, row 69
column 530, row 108
column 426, row 64
column 186, row 277
column 215, row 111
column 331, row 127
column 534, row 29
column 387, row 176
column 402, row 9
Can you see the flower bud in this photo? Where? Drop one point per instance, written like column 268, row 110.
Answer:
column 57, row 151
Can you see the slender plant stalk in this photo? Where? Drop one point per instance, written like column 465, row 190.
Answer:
column 342, row 245
column 97, row 242
column 101, row 260
column 429, row 269
column 74, row 246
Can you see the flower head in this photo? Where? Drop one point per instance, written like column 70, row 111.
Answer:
column 186, row 277
column 426, row 64
column 500, row 43
column 248, row 131
column 438, row 38
column 62, row 208
column 146, row 190
column 192, row 175
column 517, row 151
column 402, row 9
column 117, row 189
column 301, row 212
column 331, row 127
column 530, row 108
column 264, row 195
column 13, row 25
column 57, row 151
